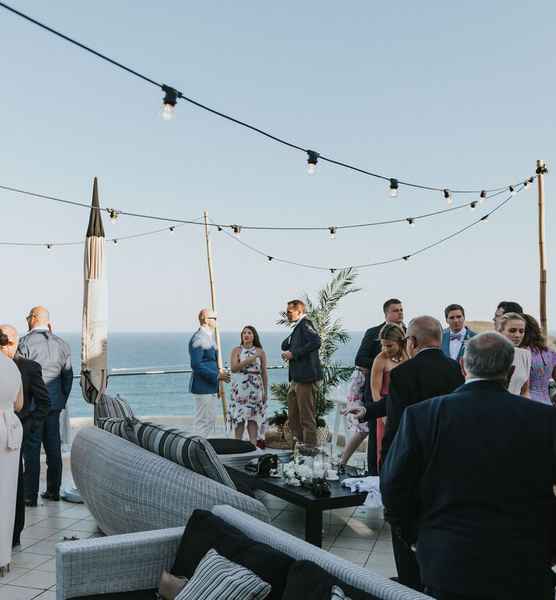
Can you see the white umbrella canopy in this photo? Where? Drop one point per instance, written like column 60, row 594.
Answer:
column 94, row 339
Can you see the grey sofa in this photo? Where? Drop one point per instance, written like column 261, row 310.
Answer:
column 129, row 489
column 131, row 562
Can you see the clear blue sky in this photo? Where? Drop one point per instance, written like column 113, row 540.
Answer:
column 447, row 94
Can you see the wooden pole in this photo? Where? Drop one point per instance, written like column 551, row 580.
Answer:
column 541, row 170
column 221, row 391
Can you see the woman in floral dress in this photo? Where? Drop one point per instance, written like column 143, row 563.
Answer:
column 249, row 385
column 543, row 361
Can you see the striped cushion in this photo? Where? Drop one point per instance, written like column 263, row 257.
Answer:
column 112, row 407
column 337, row 593
column 217, row 578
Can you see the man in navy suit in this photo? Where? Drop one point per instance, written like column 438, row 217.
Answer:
column 457, row 334
column 468, row 483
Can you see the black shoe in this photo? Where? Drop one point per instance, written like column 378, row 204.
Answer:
column 16, row 543
column 50, row 496
column 30, row 502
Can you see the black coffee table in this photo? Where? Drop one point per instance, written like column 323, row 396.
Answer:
column 340, row 497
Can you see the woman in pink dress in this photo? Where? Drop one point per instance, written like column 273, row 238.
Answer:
column 392, row 340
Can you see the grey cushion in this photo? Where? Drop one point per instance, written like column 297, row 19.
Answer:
column 107, row 407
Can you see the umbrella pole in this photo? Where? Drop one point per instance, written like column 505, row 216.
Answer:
column 221, row 391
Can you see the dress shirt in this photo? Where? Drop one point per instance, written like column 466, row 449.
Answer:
column 455, row 345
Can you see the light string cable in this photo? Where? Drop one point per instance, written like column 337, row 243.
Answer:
column 239, row 227
column 114, row 240
column 172, row 95
column 442, row 240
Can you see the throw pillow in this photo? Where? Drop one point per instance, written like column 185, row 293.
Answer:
column 308, row 581
column 107, row 407
column 217, row 578
column 170, row 586
column 338, row 593
column 231, row 446
column 206, row 531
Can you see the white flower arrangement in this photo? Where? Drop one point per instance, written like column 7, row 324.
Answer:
column 297, row 474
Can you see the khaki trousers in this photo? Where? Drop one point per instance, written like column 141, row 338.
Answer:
column 301, row 412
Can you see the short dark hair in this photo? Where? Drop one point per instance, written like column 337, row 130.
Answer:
column 507, row 306
column 297, row 304
column 389, row 303
column 452, row 307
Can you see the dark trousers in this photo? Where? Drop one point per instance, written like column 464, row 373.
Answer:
column 372, row 458
column 19, row 522
column 406, row 564
column 439, row 595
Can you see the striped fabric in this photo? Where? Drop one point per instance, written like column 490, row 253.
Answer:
column 337, row 593
column 191, row 451
column 217, row 578
column 112, row 407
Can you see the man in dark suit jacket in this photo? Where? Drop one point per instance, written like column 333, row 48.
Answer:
column 32, row 416
column 469, row 478
column 301, row 350
column 368, row 350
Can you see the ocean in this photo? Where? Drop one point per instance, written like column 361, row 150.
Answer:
column 157, row 394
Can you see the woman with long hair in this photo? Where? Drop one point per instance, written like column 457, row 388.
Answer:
column 543, row 361
column 392, row 341
column 512, row 326
column 249, row 385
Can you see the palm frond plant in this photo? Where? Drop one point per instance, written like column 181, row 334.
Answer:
column 332, row 334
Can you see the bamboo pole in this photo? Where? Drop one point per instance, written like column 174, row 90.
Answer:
column 541, row 170
column 221, row 391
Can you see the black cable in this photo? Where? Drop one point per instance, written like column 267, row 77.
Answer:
column 226, row 116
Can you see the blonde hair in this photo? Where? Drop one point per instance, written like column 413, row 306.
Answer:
column 510, row 316
column 393, row 332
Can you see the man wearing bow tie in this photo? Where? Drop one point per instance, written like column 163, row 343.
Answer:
column 455, row 336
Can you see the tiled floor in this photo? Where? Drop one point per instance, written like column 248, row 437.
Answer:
column 358, row 535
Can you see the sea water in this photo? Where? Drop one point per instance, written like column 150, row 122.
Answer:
column 167, row 394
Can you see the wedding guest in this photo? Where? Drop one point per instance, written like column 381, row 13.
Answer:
column 468, row 483
column 504, row 307
column 249, row 385
column 512, row 326
column 301, row 350
column 54, row 356
column 32, row 416
column 543, row 361
column 205, row 375
column 11, row 433
column 456, row 334
column 369, row 349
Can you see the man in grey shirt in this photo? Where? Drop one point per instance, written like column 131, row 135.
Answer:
column 54, row 356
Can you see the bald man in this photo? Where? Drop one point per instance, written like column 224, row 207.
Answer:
column 54, row 356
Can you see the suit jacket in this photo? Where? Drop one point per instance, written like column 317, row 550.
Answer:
column 424, row 376
column 304, row 343
column 470, row 476
column 369, row 349
column 54, row 357
column 204, row 363
column 35, row 394
column 446, row 342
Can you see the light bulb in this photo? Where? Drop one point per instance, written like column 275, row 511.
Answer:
column 168, row 112
column 236, row 229
column 115, row 241
column 332, row 232
column 394, row 188
column 172, row 229
column 482, row 196
column 447, row 196
column 169, row 102
column 512, row 190
column 311, row 168
column 49, row 246
column 473, row 205
column 411, row 222
column 113, row 215
column 312, row 159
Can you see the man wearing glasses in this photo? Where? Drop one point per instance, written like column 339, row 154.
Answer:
column 206, row 375
column 54, row 357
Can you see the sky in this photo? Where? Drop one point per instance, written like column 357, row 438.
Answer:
column 455, row 95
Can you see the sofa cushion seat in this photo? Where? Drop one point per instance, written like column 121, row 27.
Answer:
column 136, row 595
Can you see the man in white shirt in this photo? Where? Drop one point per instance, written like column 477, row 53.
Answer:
column 455, row 336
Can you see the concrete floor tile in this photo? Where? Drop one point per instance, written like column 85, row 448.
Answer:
column 354, row 543
column 41, row 580
column 49, row 566
column 14, row 573
column 28, row 560
column 357, row 557
column 11, row 592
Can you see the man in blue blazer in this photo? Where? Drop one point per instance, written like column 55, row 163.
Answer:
column 468, row 484
column 457, row 334
column 205, row 378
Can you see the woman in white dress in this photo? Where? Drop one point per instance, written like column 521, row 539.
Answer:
column 11, row 399
column 249, row 385
column 512, row 326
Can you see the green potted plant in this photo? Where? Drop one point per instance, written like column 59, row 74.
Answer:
column 333, row 335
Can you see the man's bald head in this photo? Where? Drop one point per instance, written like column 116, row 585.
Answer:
column 207, row 317
column 10, row 340
column 38, row 317
column 426, row 331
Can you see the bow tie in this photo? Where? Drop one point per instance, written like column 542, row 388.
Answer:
column 457, row 336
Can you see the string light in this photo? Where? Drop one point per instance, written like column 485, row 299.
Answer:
column 219, row 228
column 169, row 102
column 113, row 214
column 447, row 196
column 49, row 246
column 473, row 205
column 270, row 258
column 236, row 229
column 482, row 196
column 394, row 188
column 312, row 159
column 114, row 241
column 407, row 257
column 512, row 190
column 332, row 232
column 411, row 222
column 172, row 229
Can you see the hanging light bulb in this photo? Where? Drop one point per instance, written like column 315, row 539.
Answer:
column 113, row 214
column 393, row 188
column 115, row 241
column 482, row 196
column 172, row 229
column 473, row 205
column 218, row 228
column 169, row 102
column 411, row 222
column 49, row 246
column 332, row 232
column 406, row 258
column 312, row 159
column 447, row 196
column 333, row 271
column 270, row 258
column 512, row 190
column 236, row 229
